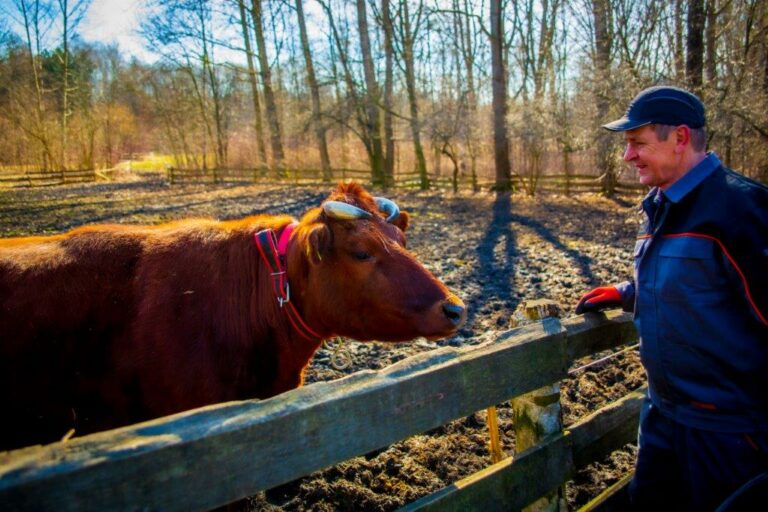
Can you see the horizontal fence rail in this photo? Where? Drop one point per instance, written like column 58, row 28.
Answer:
column 211, row 456
column 49, row 178
column 550, row 183
column 516, row 482
column 558, row 183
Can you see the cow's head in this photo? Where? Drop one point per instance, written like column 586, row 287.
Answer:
column 354, row 277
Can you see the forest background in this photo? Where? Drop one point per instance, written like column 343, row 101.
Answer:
column 482, row 88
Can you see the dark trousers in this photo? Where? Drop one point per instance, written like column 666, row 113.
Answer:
column 684, row 468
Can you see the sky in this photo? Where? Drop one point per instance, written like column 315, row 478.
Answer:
column 116, row 21
column 106, row 21
column 112, row 22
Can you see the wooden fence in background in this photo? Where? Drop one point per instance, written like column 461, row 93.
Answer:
column 556, row 183
column 559, row 183
column 49, row 178
column 208, row 457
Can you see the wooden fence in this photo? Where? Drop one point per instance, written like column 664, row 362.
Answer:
column 262, row 176
column 559, row 183
column 208, row 457
column 48, row 178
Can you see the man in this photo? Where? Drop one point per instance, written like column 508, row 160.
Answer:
column 700, row 302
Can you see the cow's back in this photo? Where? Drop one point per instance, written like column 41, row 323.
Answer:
column 63, row 302
column 110, row 325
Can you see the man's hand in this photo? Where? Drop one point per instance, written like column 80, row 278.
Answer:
column 599, row 298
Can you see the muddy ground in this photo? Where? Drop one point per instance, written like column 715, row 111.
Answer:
column 493, row 251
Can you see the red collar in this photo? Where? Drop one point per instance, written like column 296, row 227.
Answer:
column 273, row 253
column 285, row 237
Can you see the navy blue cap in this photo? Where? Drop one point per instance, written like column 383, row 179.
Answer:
column 661, row 104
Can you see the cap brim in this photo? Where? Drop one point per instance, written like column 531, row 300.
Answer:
column 624, row 124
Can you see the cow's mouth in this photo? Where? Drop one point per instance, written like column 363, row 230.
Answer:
column 445, row 319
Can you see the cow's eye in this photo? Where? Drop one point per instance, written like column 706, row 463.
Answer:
column 361, row 255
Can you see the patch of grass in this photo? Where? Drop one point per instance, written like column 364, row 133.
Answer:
column 148, row 162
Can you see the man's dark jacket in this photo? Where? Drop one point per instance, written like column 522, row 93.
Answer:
column 700, row 298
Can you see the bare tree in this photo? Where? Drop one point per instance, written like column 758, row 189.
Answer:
column 273, row 117
column 601, row 13
column 315, row 93
column 679, row 31
column 499, row 87
column 258, row 128
column 372, row 96
column 389, row 71
column 33, row 16
column 466, row 36
column 71, row 15
column 694, row 61
column 183, row 31
column 710, row 60
column 408, row 30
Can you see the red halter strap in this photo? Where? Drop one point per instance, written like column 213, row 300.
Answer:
column 273, row 254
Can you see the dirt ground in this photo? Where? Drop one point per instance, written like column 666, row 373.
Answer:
column 493, row 251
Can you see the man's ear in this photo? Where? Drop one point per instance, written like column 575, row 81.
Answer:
column 318, row 239
column 683, row 135
column 401, row 221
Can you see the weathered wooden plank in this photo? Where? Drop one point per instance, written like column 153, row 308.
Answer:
column 211, row 456
column 607, row 429
column 538, row 415
column 613, row 499
column 508, row 485
column 525, row 478
column 594, row 332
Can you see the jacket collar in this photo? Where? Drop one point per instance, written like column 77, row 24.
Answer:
column 691, row 179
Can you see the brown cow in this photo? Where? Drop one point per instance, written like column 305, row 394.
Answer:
column 110, row 325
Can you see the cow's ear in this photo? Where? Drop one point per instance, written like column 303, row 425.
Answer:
column 318, row 242
column 401, row 221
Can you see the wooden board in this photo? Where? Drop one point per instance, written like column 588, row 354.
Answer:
column 595, row 332
column 507, row 485
column 208, row 457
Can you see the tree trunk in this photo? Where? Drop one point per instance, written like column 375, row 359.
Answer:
column 71, row 15
column 765, row 59
column 694, row 62
column 208, row 68
column 257, row 126
column 499, row 86
column 63, row 5
column 409, row 33
column 357, row 103
column 389, row 71
column 31, row 23
column 710, row 61
column 273, row 117
column 315, row 93
column 605, row 158
column 466, row 44
column 373, row 124
column 679, row 38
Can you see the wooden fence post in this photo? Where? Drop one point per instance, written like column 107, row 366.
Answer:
column 538, row 414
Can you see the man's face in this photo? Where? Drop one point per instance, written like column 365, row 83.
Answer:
column 658, row 162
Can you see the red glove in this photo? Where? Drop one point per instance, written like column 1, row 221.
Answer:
column 599, row 298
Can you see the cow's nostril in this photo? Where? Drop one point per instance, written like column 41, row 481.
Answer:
column 454, row 312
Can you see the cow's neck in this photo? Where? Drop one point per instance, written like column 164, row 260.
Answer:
column 273, row 248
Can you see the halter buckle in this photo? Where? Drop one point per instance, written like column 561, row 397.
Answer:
column 281, row 300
